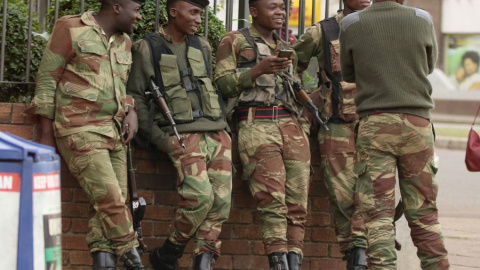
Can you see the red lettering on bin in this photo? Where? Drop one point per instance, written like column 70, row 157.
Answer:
column 46, row 181
column 9, row 182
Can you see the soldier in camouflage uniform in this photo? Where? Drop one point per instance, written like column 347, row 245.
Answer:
column 394, row 132
column 273, row 146
column 83, row 108
column 337, row 146
column 181, row 64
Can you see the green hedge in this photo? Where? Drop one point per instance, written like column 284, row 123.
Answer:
column 15, row 53
column 17, row 38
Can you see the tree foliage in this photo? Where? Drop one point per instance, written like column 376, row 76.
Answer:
column 16, row 38
column 216, row 29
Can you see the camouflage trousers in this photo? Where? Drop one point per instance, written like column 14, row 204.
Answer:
column 204, row 184
column 276, row 161
column 99, row 163
column 337, row 150
column 385, row 142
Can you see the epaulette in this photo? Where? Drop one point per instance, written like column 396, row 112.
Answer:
column 72, row 16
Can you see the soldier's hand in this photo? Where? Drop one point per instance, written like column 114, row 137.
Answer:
column 269, row 65
column 130, row 122
column 46, row 136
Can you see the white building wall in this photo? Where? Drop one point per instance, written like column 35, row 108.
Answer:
column 460, row 17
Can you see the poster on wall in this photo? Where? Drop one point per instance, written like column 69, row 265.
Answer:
column 462, row 61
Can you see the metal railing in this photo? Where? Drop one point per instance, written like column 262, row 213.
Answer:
column 228, row 24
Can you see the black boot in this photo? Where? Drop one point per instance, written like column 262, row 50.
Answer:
column 278, row 261
column 166, row 257
column 104, row 261
column 132, row 260
column 204, row 261
column 356, row 259
column 294, row 261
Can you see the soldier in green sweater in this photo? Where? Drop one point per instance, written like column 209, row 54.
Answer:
column 388, row 50
column 179, row 61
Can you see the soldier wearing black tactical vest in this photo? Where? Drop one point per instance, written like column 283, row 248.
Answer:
column 273, row 147
column 334, row 97
column 179, row 62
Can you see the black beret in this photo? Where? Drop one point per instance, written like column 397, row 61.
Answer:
column 198, row 3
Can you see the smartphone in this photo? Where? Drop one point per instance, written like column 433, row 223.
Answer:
column 285, row 54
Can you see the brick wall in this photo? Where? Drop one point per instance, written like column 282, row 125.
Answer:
column 241, row 236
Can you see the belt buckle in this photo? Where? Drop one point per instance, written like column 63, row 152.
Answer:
column 274, row 113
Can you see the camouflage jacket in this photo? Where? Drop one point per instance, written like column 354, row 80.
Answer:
column 310, row 45
column 234, row 51
column 82, row 76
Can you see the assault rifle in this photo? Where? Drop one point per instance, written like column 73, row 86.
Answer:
column 137, row 204
column 307, row 102
column 162, row 105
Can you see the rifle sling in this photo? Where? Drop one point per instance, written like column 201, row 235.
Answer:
column 331, row 31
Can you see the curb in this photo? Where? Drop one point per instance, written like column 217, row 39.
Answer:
column 451, row 143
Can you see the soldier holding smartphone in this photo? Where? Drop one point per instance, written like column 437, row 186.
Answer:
column 253, row 72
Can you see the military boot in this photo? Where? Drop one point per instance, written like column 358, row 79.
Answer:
column 294, row 261
column 204, row 261
column 278, row 261
column 132, row 260
column 356, row 259
column 166, row 257
column 104, row 260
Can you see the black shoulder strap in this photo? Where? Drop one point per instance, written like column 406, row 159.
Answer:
column 330, row 31
column 252, row 43
column 155, row 43
column 157, row 47
column 194, row 41
column 249, row 38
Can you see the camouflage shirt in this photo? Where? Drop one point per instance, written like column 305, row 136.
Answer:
column 310, row 44
column 82, row 76
column 233, row 51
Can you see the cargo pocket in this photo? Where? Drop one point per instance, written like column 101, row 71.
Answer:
column 326, row 111
column 179, row 104
column 246, row 149
column 124, row 61
column 265, row 89
column 79, row 91
column 347, row 107
column 88, row 60
column 197, row 63
column 77, row 144
column 335, row 56
column 248, row 170
column 247, row 55
column 169, row 70
column 364, row 187
column 211, row 105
